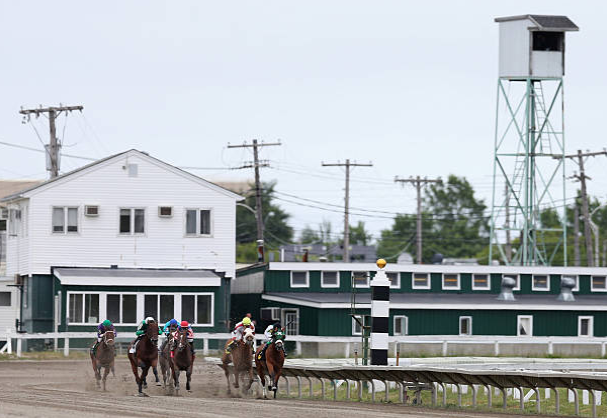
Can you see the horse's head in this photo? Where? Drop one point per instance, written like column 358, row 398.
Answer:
column 108, row 338
column 248, row 336
column 182, row 338
column 152, row 332
column 279, row 340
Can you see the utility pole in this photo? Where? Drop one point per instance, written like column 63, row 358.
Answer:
column 419, row 183
column 576, row 234
column 347, row 164
column 53, row 148
column 258, row 209
column 585, row 213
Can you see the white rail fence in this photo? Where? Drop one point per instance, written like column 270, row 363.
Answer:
column 350, row 344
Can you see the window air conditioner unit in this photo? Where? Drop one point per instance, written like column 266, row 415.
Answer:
column 165, row 211
column 91, row 210
column 270, row 314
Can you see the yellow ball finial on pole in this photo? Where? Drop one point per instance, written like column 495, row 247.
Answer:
column 381, row 263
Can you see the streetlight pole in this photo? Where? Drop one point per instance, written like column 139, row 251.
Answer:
column 595, row 231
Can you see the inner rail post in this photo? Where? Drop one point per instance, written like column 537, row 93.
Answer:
column 310, row 383
column 298, row 386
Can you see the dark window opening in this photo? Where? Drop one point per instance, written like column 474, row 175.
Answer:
column 547, row 41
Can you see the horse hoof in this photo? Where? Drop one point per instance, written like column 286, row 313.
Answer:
column 158, row 384
column 142, row 395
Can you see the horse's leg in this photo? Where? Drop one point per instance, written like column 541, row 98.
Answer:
column 277, row 374
column 226, row 370
column 155, row 370
column 144, row 374
column 105, row 373
column 271, row 372
column 262, row 376
column 188, row 375
column 176, row 372
column 135, row 369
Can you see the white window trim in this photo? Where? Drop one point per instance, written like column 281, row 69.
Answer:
column 461, row 318
column 196, row 324
column 397, row 286
column 459, row 282
column 425, row 287
column 361, row 286
column 590, row 326
column 576, row 288
column 283, row 317
column 132, row 227
column 67, row 310
column 403, row 317
column 322, row 277
column 518, row 323
column 474, row 287
column 354, row 324
column 197, row 234
column 65, row 210
column 517, row 280
column 594, row 289
column 539, row 289
column 300, row 285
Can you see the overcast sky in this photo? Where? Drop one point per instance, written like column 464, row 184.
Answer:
column 409, row 86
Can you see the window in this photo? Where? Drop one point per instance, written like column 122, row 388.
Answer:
column 270, row 314
column 394, row 280
column 401, row 325
column 481, row 282
column 465, row 325
column 360, row 279
column 133, row 170
column 122, row 309
column 132, row 221
column 450, row 281
column 14, row 222
column 547, row 41
column 83, row 308
column 150, row 306
column 167, row 308
column 585, row 326
column 599, row 283
column 5, row 299
column 541, row 282
column 91, row 210
column 421, row 281
column 299, row 279
column 329, row 279
column 357, row 329
column 204, row 309
column 198, row 222
column 165, row 211
column 291, row 321
column 576, row 279
column 516, row 279
column 524, row 325
column 63, row 217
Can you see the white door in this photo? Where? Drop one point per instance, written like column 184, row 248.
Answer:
column 291, row 321
column 524, row 326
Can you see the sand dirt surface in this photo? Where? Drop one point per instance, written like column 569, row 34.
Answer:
column 67, row 389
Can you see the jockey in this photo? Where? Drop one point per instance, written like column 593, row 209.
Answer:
column 102, row 328
column 269, row 334
column 190, row 335
column 141, row 329
column 169, row 328
column 239, row 332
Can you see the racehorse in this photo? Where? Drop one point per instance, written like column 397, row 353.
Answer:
column 242, row 356
column 181, row 358
column 104, row 357
column 164, row 359
column 272, row 363
column 146, row 356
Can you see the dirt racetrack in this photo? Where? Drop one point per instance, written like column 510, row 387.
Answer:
column 66, row 388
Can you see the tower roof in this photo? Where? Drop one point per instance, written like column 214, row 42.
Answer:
column 545, row 22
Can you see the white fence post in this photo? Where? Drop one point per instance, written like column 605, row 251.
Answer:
column 19, row 344
column 205, row 346
column 66, row 346
column 445, row 346
column 9, row 341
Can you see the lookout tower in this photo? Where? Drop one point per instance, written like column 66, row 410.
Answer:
column 529, row 163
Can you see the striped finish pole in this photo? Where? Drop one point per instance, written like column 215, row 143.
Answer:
column 380, row 315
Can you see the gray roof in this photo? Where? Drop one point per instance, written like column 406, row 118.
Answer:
column 545, row 22
column 464, row 299
column 134, row 273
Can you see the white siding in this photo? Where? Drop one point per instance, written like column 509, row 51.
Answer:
column 8, row 314
column 98, row 242
column 514, row 47
column 17, row 245
column 547, row 63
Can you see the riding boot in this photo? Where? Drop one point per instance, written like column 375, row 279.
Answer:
column 262, row 353
column 229, row 347
column 94, row 348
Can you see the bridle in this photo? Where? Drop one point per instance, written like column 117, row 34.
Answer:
column 182, row 336
column 152, row 333
column 106, row 338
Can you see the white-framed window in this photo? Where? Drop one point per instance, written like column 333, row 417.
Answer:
column 83, row 308
column 270, row 314
column 357, row 329
column 198, row 309
column 329, row 279
column 14, row 222
column 360, row 278
column 451, row 281
column 65, row 220
column 517, row 280
column 290, row 319
column 198, row 222
column 132, row 221
column 598, row 283
column 481, row 281
column 576, row 279
column 465, row 325
column 524, row 325
column 300, row 279
column 159, row 306
column 394, row 278
column 121, row 308
column 420, row 281
column 401, row 325
column 585, row 326
column 540, row 282
column 5, row 299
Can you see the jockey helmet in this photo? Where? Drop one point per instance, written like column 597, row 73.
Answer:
column 107, row 323
column 184, row 324
column 149, row 319
column 277, row 325
column 173, row 322
column 246, row 321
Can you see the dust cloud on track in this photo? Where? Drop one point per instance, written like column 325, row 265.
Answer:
column 56, row 389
